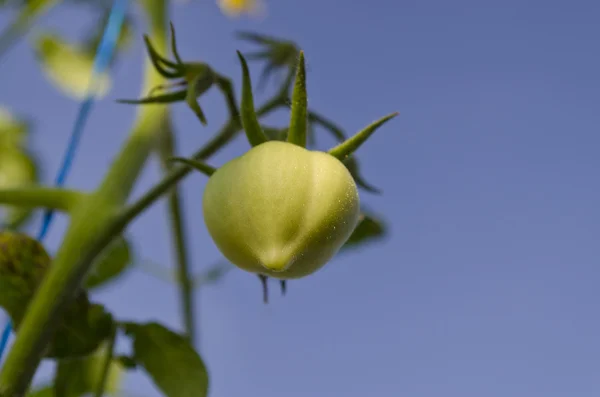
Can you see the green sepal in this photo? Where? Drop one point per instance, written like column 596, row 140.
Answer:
column 165, row 98
column 254, row 132
column 278, row 54
column 349, row 146
column 299, row 113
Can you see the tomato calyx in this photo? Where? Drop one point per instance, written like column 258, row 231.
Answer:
column 195, row 78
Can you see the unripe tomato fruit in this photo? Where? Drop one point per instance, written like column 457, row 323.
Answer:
column 281, row 210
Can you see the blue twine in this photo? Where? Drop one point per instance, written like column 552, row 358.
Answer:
column 101, row 62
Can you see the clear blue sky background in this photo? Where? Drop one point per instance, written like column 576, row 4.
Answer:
column 488, row 285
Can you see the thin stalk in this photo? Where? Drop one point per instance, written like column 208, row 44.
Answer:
column 186, row 289
column 107, row 363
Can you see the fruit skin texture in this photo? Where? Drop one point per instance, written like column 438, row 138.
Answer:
column 281, row 210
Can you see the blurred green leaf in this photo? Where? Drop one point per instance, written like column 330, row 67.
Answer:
column 13, row 131
column 111, row 263
column 23, row 264
column 369, row 229
column 79, row 376
column 84, row 328
column 169, row 359
column 67, row 66
column 278, row 54
column 17, row 169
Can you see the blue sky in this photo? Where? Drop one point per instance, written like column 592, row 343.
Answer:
column 487, row 285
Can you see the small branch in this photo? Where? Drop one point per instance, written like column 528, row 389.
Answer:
column 165, row 150
column 45, row 197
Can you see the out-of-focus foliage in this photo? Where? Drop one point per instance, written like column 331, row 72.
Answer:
column 67, row 66
column 17, row 165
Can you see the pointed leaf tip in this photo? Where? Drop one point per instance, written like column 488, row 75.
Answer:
column 350, row 145
column 174, row 44
column 254, row 132
column 299, row 116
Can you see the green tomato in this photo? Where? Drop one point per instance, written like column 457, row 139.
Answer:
column 281, row 210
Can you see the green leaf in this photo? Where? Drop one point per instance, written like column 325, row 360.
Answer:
column 68, row 67
column 369, row 229
column 169, row 359
column 79, row 376
column 17, row 169
column 111, row 263
column 23, row 263
column 84, row 328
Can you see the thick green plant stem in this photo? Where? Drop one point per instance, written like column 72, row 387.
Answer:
column 186, row 288
column 94, row 224
column 45, row 197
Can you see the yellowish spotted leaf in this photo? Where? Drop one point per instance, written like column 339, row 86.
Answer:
column 68, row 67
